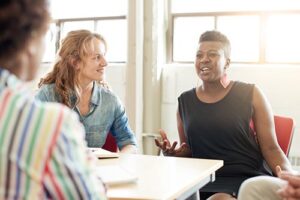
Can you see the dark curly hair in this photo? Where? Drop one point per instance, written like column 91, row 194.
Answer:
column 21, row 20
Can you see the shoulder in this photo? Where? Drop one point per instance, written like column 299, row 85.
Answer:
column 48, row 116
column 46, row 93
column 242, row 89
column 47, row 87
column 186, row 99
column 243, row 85
column 62, row 119
column 106, row 95
column 187, row 93
column 50, row 109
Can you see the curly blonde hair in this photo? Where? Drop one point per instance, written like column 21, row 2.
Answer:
column 74, row 48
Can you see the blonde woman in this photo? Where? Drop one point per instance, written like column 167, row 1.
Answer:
column 74, row 82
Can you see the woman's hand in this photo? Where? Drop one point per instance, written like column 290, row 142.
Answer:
column 170, row 150
column 292, row 189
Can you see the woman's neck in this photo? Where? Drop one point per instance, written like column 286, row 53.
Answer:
column 214, row 87
column 86, row 87
column 211, row 93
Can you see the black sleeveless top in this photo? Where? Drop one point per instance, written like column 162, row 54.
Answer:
column 221, row 130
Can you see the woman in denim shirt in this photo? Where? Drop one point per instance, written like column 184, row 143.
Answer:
column 74, row 81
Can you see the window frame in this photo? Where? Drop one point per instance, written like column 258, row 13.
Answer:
column 263, row 15
column 59, row 26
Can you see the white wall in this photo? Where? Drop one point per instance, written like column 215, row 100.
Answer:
column 281, row 85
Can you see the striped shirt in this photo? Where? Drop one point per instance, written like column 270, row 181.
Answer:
column 42, row 149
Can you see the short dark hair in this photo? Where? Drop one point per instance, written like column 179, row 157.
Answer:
column 216, row 36
column 20, row 21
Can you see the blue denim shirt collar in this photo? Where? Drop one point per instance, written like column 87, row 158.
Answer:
column 95, row 98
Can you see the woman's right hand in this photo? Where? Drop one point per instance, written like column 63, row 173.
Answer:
column 168, row 149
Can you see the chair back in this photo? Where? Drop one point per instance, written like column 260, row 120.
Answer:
column 110, row 143
column 284, row 128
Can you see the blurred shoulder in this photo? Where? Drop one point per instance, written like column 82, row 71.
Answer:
column 106, row 94
column 47, row 87
column 188, row 93
column 244, row 85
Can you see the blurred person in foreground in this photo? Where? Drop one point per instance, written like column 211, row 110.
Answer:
column 42, row 149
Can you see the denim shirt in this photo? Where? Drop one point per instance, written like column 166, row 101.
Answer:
column 106, row 114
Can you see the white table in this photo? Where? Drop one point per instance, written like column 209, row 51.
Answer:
column 162, row 177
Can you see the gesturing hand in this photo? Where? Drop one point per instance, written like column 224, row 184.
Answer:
column 170, row 150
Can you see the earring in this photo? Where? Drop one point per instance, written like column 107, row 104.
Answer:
column 224, row 80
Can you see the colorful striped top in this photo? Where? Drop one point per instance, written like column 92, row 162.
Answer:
column 42, row 150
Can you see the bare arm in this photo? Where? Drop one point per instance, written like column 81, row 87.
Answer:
column 129, row 149
column 265, row 128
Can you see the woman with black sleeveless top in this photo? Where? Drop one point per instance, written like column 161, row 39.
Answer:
column 214, row 122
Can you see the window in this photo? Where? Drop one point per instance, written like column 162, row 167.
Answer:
column 259, row 32
column 243, row 33
column 186, row 36
column 50, row 41
column 101, row 16
column 68, row 26
column 115, row 33
column 282, row 43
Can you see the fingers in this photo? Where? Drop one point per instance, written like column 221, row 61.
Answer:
column 292, row 189
column 163, row 134
column 170, row 151
column 157, row 143
column 164, row 137
column 278, row 170
column 286, row 192
column 183, row 145
column 163, row 145
column 294, row 181
column 173, row 146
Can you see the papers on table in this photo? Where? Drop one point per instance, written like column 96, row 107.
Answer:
column 112, row 174
column 102, row 153
column 115, row 175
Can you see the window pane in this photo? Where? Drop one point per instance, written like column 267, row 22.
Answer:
column 187, row 31
column 63, row 9
column 243, row 33
column 50, row 40
column 75, row 25
column 115, row 34
column 282, row 38
column 196, row 6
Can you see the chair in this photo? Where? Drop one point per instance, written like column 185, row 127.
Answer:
column 284, row 128
column 110, row 143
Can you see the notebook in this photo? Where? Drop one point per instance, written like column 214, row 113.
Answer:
column 102, row 153
column 115, row 175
